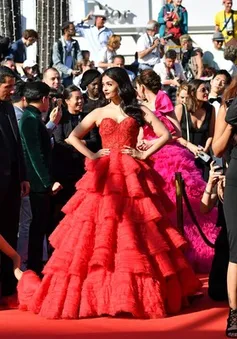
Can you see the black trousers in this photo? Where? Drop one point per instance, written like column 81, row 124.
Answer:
column 230, row 208
column 9, row 224
column 40, row 207
column 217, row 289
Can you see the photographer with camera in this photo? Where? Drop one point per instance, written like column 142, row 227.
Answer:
column 226, row 21
column 171, row 73
column 149, row 47
column 173, row 19
column 191, row 58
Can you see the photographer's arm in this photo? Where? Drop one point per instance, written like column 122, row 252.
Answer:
column 161, row 17
column 148, row 50
column 210, row 197
column 185, row 22
column 173, row 82
column 200, row 67
column 217, row 23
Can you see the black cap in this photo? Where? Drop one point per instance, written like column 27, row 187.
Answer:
column 65, row 25
column 88, row 77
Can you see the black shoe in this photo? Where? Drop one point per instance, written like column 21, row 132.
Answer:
column 231, row 329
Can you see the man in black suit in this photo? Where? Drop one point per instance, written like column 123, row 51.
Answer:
column 13, row 182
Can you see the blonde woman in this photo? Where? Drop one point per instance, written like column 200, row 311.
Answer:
column 108, row 52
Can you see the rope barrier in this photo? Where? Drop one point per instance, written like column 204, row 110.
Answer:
column 190, row 210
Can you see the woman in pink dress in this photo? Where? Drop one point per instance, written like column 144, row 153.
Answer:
column 172, row 158
column 115, row 250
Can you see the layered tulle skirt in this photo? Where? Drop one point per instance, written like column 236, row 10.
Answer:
column 115, row 250
column 175, row 158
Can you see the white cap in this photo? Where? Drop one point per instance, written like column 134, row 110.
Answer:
column 100, row 12
column 29, row 63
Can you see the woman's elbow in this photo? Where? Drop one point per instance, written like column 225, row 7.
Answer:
column 217, row 150
column 71, row 136
column 168, row 136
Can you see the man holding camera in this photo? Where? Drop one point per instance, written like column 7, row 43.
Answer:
column 171, row 73
column 226, row 21
column 149, row 47
column 66, row 53
column 191, row 58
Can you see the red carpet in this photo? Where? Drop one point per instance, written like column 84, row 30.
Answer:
column 205, row 319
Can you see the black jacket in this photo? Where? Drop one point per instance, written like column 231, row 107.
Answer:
column 5, row 160
column 67, row 160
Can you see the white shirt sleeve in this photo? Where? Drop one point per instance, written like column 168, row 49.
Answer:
column 161, row 71
column 142, row 44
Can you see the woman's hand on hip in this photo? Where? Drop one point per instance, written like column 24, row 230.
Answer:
column 101, row 153
column 133, row 152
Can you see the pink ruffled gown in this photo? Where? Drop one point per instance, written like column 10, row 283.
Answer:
column 115, row 250
column 175, row 158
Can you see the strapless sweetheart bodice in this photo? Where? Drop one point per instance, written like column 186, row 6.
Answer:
column 115, row 135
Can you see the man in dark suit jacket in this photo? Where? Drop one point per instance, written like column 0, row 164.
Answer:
column 13, row 182
column 38, row 156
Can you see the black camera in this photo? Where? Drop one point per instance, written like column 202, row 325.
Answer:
column 229, row 33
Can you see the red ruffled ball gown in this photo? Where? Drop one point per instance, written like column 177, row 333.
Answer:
column 175, row 158
column 115, row 250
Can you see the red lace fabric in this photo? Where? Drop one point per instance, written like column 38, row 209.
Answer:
column 115, row 250
column 115, row 135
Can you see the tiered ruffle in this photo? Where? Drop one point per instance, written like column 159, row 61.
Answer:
column 115, row 250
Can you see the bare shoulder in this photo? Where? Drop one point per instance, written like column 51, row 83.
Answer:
column 93, row 116
column 99, row 114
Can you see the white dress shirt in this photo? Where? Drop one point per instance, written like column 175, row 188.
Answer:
column 177, row 71
column 144, row 42
column 96, row 38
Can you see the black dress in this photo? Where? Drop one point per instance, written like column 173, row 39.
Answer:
column 217, row 285
column 89, row 104
column 198, row 136
column 230, row 199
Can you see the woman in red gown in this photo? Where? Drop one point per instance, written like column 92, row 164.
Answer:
column 115, row 250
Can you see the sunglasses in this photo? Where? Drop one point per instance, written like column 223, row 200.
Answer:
column 204, row 90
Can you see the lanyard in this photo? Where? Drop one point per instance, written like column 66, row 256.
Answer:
column 227, row 21
column 150, row 40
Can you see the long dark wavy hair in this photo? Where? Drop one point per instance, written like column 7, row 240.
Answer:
column 126, row 92
column 194, row 85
